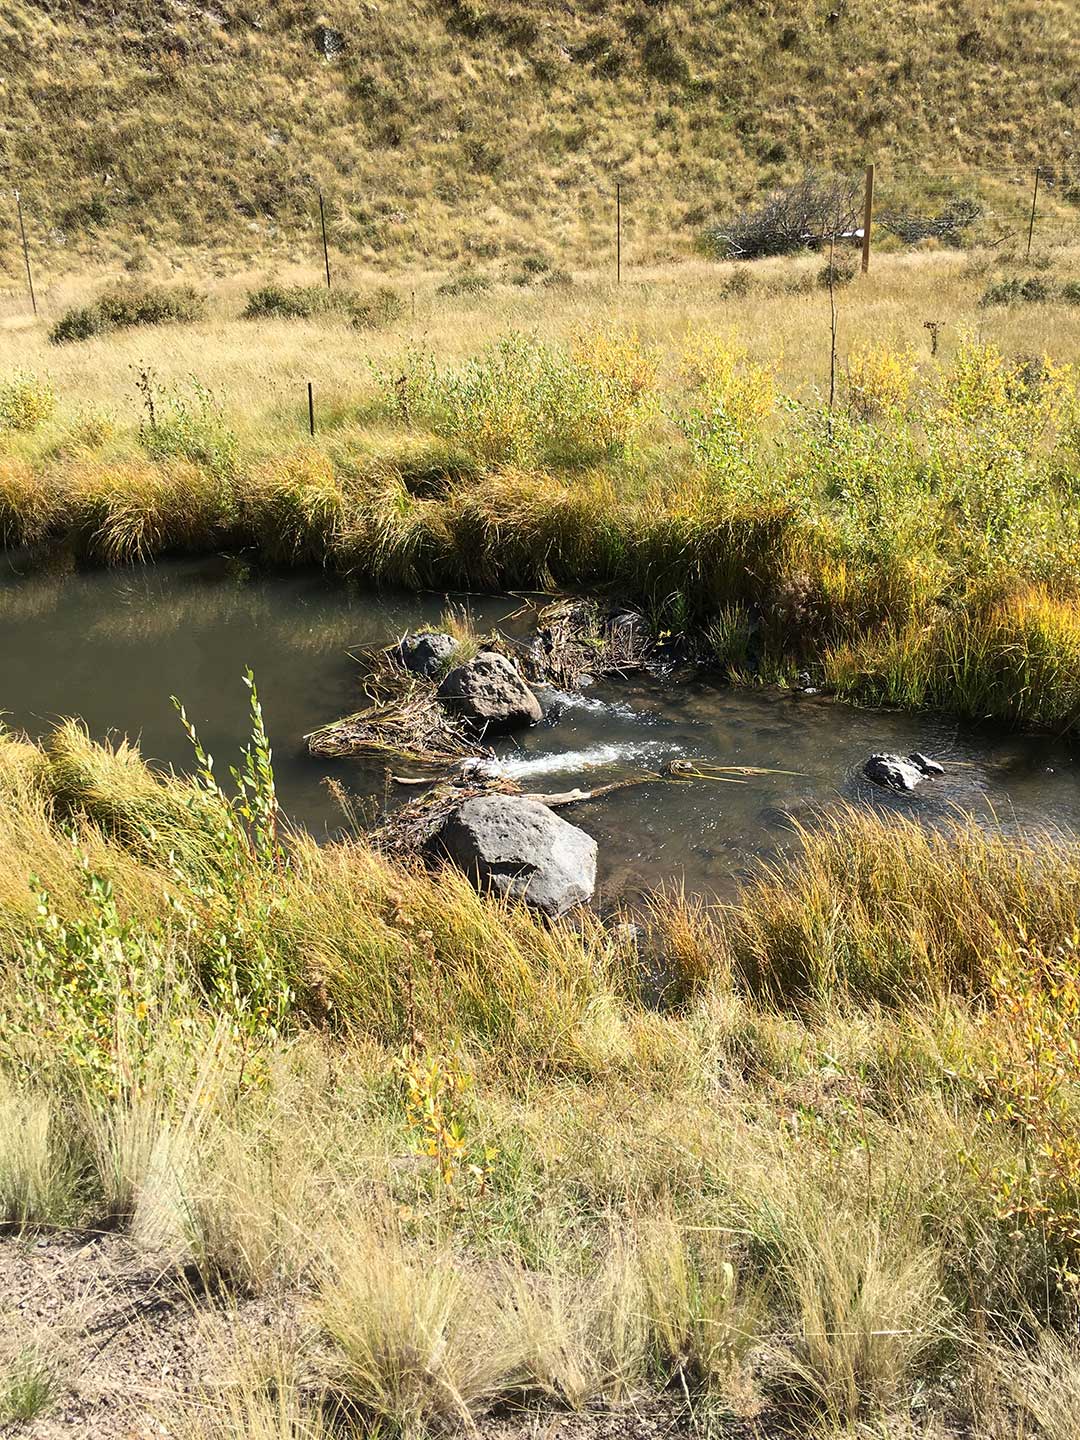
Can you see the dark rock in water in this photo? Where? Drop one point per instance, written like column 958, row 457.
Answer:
column 630, row 623
column 328, row 41
column 896, row 773
column 427, row 654
column 490, row 693
column 521, row 849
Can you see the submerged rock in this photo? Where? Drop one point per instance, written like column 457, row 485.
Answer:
column 427, row 653
column 894, row 772
column 519, row 848
column 490, row 693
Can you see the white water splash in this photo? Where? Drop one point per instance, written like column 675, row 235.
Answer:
column 574, row 700
column 594, row 757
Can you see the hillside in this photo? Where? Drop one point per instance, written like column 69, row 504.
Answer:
column 474, row 127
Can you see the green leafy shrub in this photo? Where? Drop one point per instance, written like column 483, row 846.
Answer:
column 469, row 282
column 25, row 401
column 840, row 270
column 1013, row 291
column 1070, row 292
column 85, row 1009
column 125, row 306
column 521, row 400
column 176, row 426
column 311, row 302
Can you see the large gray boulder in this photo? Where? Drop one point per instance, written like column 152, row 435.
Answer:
column 427, row 653
column 490, row 693
column 894, row 772
column 521, row 849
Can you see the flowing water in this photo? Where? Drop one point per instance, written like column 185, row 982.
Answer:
column 112, row 646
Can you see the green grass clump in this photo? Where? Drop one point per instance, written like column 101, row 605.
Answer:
column 307, row 302
column 129, row 305
column 468, row 282
column 28, row 1390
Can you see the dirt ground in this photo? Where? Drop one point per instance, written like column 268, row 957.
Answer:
column 130, row 1343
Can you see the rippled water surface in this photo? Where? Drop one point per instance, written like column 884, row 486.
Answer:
column 113, row 646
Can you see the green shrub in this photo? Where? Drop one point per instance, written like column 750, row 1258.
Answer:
column 469, row 282
column 521, row 400
column 1015, row 291
column 309, row 302
column 536, row 269
column 287, row 302
column 25, row 401
column 128, row 305
column 193, row 429
column 1070, row 292
column 840, row 270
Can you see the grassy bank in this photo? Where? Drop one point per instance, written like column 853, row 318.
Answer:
column 914, row 542
column 461, row 1160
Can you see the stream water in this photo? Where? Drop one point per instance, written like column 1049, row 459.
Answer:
column 113, row 646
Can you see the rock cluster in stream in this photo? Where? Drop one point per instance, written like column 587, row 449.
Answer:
column 895, row 772
column 511, row 845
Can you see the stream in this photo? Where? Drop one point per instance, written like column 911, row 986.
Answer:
column 112, row 646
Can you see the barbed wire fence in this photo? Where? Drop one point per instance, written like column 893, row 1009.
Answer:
column 1018, row 212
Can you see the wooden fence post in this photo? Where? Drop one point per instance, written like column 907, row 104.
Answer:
column 310, row 409
column 868, row 218
column 325, row 250
column 26, row 252
column 1034, row 202
column 618, row 233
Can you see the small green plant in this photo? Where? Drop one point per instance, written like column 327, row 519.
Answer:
column 125, row 306
column 240, row 972
column 439, row 1115
column 27, row 1390
column 193, row 428
column 25, row 401
column 85, row 1012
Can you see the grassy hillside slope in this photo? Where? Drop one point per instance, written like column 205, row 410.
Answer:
column 473, row 127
